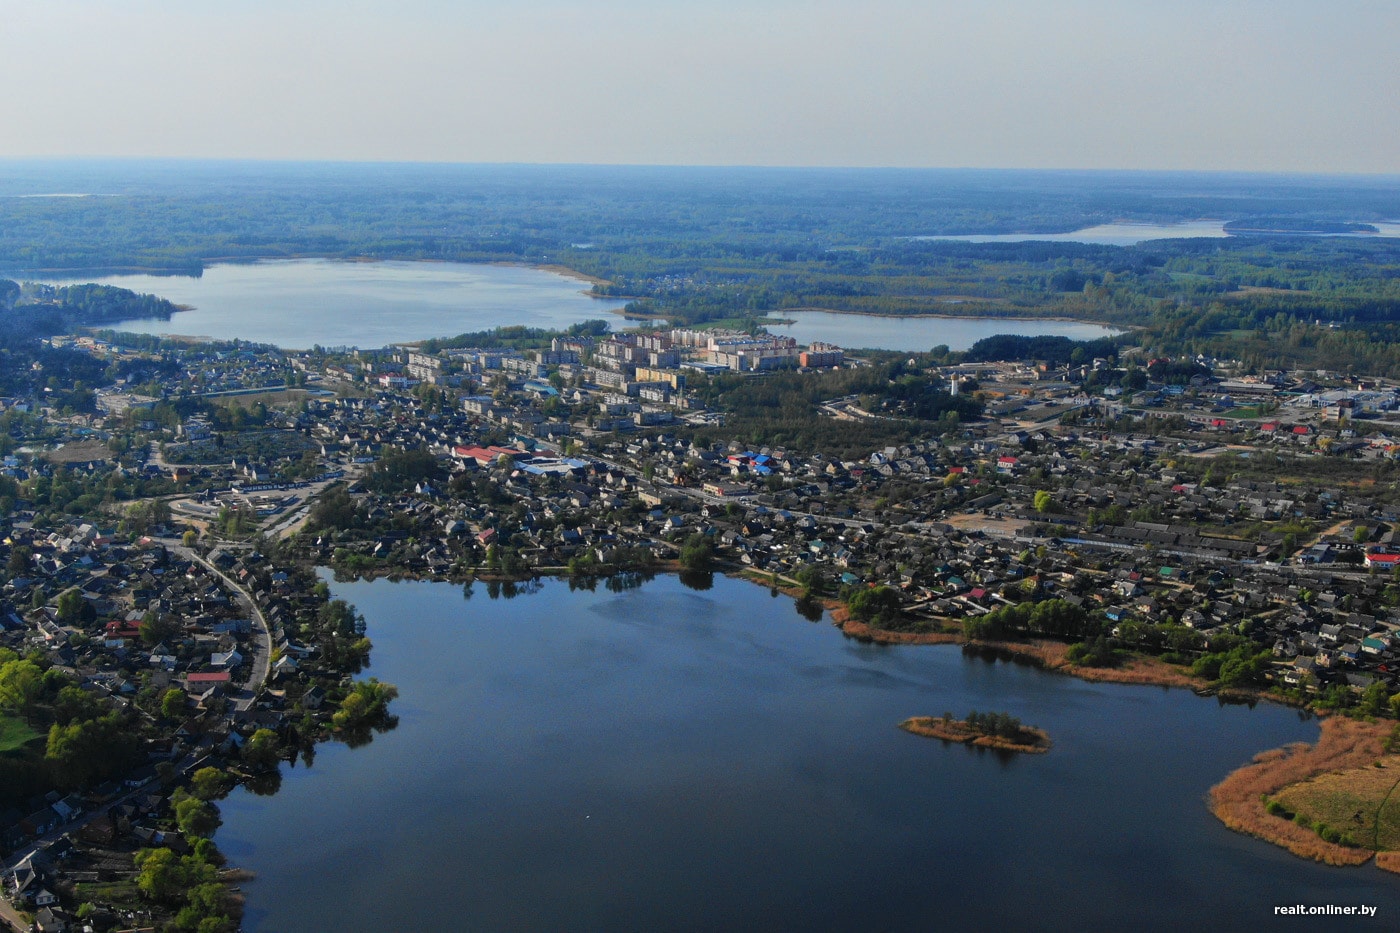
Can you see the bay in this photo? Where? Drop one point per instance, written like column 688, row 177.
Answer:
column 669, row 759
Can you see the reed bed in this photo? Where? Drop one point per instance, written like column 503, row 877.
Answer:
column 1390, row 861
column 1030, row 740
column 1238, row 801
column 858, row 629
column 1054, row 656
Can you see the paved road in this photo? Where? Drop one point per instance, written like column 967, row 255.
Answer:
column 11, row 917
column 261, row 662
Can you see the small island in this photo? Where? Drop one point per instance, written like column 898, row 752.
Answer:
column 989, row 730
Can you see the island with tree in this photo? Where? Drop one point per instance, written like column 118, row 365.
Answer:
column 988, row 730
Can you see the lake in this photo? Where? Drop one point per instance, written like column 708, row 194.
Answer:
column 922, row 333
column 670, row 759
column 1121, row 234
column 298, row 303
column 1131, row 234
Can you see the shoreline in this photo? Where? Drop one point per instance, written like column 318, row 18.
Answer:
column 1049, row 655
column 565, row 271
column 934, row 316
column 1240, row 800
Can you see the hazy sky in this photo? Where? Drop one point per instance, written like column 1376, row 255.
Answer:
column 1292, row 85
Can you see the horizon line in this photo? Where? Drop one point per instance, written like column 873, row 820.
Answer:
column 446, row 163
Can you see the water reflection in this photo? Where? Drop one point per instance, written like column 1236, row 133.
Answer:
column 264, row 783
column 697, row 579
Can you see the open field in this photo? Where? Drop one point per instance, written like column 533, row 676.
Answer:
column 79, row 452
column 14, row 733
column 1356, row 803
column 272, row 398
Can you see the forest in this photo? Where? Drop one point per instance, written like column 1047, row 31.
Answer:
column 1303, row 281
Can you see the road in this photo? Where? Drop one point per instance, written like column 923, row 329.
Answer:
column 11, row 917
column 260, row 664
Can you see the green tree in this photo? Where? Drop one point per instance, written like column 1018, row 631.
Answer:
column 73, row 608
column 18, row 563
column 21, row 684
column 209, row 783
column 196, row 817
column 262, row 749
column 172, row 703
column 86, row 751
column 877, row 603
column 366, row 704
column 161, row 877
column 1375, row 699
column 697, row 553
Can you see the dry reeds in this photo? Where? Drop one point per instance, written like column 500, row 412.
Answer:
column 1238, row 801
column 1390, row 861
column 860, row 630
column 1030, row 740
column 1054, row 656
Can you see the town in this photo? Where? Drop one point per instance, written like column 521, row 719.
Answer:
column 164, row 625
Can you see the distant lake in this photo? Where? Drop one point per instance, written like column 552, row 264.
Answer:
column 920, row 334
column 1128, row 234
column 298, row 303
column 670, row 759
column 1103, row 234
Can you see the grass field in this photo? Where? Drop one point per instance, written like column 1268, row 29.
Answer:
column 1357, row 802
column 14, row 733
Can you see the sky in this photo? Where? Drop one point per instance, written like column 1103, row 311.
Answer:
column 1255, row 85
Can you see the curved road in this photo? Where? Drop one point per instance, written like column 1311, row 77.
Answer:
column 261, row 661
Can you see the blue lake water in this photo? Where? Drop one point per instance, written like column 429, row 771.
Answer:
column 920, row 334
column 298, row 303
column 671, row 759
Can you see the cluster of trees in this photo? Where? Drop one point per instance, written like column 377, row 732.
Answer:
column 365, row 706
column 189, row 885
column 878, row 604
column 86, row 742
column 999, row 724
column 339, row 630
column 400, row 470
column 698, row 553
column 783, row 408
column 515, row 337
column 1242, row 665
column 101, row 304
column 1056, row 351
column 1095, row 652
column 1054, row 617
